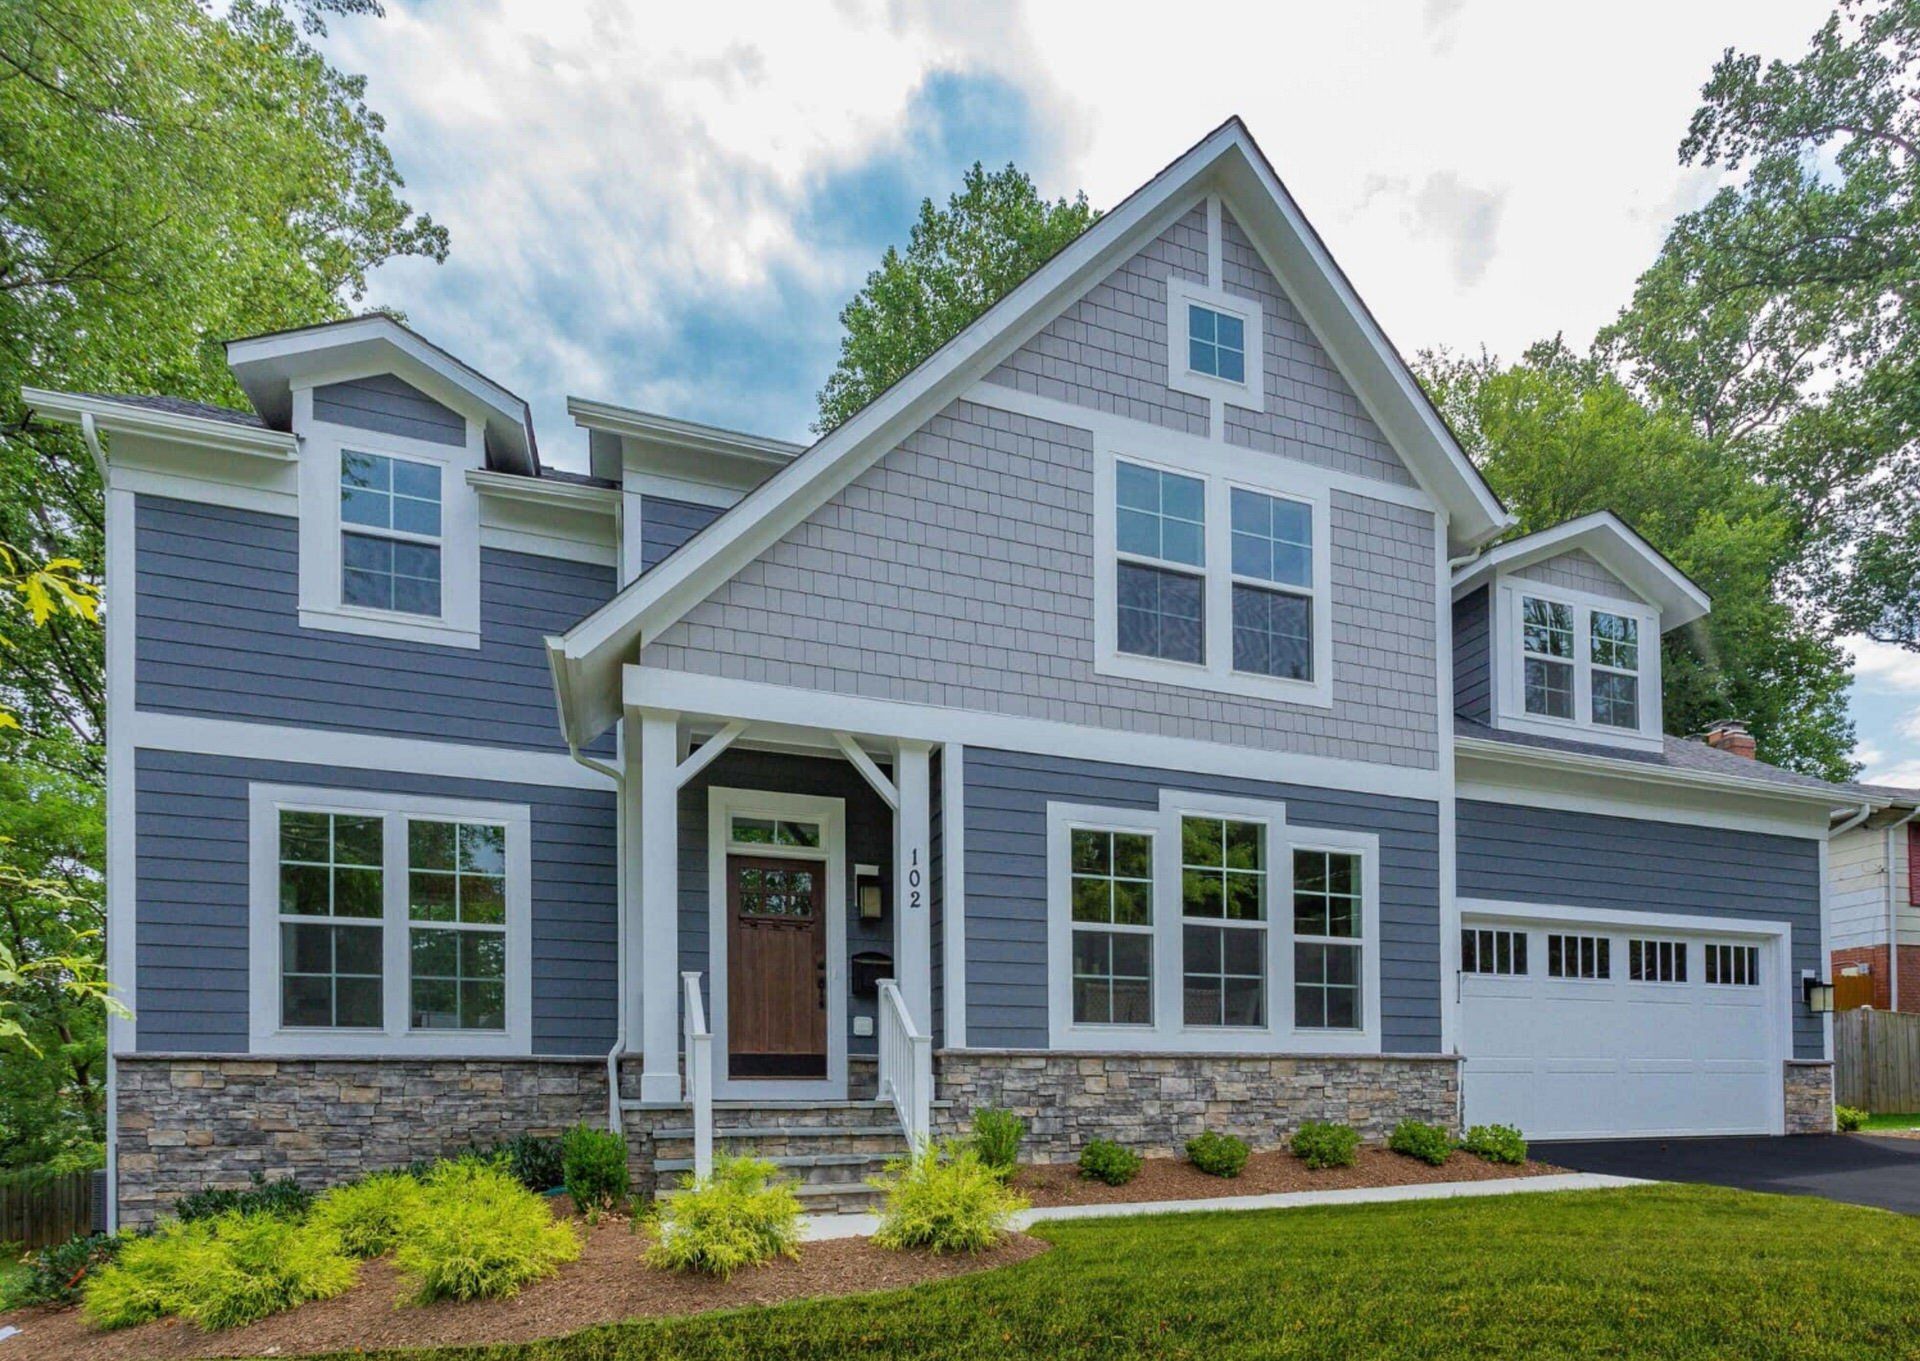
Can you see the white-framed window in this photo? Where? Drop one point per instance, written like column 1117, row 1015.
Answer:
column 1579, row 956
column 1735, row 966
column 1577, row 666
column 1211, row 580
column 388, row 924
column 1656, row 961
column 389, row 532
column 1216, row 344
column 1112, row 892
column 1223, row 931
column 1493, row 950
column 1163, row 932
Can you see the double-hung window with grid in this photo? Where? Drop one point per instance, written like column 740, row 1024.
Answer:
column 390, row 533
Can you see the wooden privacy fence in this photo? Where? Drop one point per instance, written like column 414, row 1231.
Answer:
column 1876, row 1060
column 37, row 1209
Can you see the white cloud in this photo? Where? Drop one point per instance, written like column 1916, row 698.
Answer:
column 1885, row 667
column 1900, row 775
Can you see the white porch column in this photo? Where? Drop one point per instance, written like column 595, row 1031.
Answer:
column 914, row 913
column 653, row 806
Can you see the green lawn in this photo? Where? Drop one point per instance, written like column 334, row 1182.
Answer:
column 13, row 1272
column 1910, row 1120
column 1656, row 1271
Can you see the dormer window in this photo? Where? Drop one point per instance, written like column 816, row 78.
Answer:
column 390, row 534
column 1573, row 664
column 1615, row 643
column 1546, row 636
column 1216, row 344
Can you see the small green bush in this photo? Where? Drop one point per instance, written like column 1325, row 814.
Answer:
column 370, row 1216
column 996, row 1137
column 1104, row 1160
column 1218, row 1155
column 1496, row 1143
column 1849, row 1118
column 1429, row 1143
column 285, row 1198
column 536, row 1161
column 1319, row 1144
column 740, row 1216
column 56, row 1273
column 479, row 1234
column 219, row 1273
column 594, row 1168
column 945, row 1198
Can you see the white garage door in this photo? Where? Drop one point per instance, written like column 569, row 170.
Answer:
column 1585, row 1031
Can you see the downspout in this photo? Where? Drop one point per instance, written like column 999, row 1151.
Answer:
column 1893, row 915
column 91, row 434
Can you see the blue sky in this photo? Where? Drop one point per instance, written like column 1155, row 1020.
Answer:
column 667, row 206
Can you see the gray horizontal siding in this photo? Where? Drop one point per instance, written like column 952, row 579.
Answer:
column 1473, row 656
column 391, row 406
column 1006, row 854
column 218, row 634
column 869, row 842
column 666, row 524
column 1546, row 855
column 190, row 932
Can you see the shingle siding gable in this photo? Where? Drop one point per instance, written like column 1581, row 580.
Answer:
column 1578, row 571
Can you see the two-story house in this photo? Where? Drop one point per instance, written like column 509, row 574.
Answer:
column 1133, row 718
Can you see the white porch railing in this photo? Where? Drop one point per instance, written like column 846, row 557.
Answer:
column 698, row 1055
column 906, row 1065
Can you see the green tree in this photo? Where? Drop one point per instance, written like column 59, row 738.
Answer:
column 1780, row 317
column 170, row 176
column 1559, row 436
column 959, row 261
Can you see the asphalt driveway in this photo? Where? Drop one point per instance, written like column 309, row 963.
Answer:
column 1857, row 1168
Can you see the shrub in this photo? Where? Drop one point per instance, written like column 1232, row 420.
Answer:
column 1104, row 1160
column 479, row 1234
column 285, row 1198
column 220, row 1272
column 55, row 1274
column 1496, row 1143
column 594, row 1168
column 996, row 1137
column 537, row 1163
column 1417, row 1139
column 742, row 1215
column 1849, row 1118
column 369, row 1216
column 946, row 1198
column 1319, row 1144
column 1218, row 1155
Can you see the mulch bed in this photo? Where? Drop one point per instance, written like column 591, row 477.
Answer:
column 1265, row 1173
column 607, row 1284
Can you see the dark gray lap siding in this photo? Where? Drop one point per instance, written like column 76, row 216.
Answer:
column 1546, row 855
column 191, row 847
column 666, row 524
column 218, row 634
column 1006, row 853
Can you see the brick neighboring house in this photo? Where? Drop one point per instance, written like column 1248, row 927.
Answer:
column 1873, row 892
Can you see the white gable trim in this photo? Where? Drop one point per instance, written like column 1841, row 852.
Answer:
column 1612, row 543
column 587, row 658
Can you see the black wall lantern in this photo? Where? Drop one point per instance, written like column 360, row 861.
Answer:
column 1817, row 995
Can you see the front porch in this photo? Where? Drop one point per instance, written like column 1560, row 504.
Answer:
column 780, row 911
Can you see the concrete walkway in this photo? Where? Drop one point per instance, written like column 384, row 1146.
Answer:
column 818, row 1227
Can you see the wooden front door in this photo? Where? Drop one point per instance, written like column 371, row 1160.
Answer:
column 776, row 968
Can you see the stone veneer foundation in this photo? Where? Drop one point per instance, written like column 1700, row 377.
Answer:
column 1154, row 1103
column 1809, row 1085
column 188, row 1122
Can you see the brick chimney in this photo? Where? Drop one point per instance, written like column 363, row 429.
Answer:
column 1731, row 735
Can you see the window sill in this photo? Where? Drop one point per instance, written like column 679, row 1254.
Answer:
column 381, row 624
column 297, row 1043
column 1213, row 1040
column 1200, row 678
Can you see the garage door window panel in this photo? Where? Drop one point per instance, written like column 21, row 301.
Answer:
column 1733, row 966
column 1488, row 950
column 1657, row 961
column 1579, row 957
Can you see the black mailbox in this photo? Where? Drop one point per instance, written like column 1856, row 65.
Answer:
column 869, row 967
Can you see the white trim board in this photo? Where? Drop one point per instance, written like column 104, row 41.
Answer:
column 356, row 751
column 722, row 804
column 721, row 698
column 1604, row 796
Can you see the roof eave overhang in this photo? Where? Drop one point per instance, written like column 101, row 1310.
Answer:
column 1513, row 753
column 172, row 427
column 1616, row 546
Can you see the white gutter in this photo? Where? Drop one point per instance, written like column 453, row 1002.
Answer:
column 1514, row 753
column 1893, row 915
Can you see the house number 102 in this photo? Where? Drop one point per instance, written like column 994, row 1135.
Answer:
column 913, row 880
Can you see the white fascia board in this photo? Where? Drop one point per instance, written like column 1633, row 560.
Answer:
column 536, row 491
column 878, row 723
column 1616, row 546
column 1515, row 754
column 653, row 602
column 680, row 434
column 174, row 427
